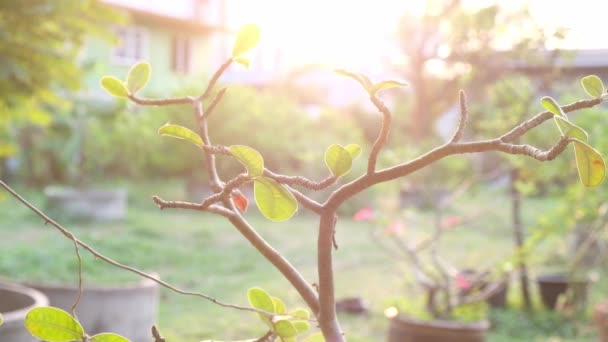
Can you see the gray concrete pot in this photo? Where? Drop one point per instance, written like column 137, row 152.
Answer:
column 97, row 204
column 128, row 310
column 15, row 302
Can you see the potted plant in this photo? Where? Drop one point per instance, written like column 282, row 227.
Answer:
column 455, row 299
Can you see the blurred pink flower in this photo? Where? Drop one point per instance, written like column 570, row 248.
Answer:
column 450, row 221
column 364, row 214
column 462, row 282
column 395, row 228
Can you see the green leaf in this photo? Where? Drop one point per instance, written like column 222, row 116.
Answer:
column 274, row 200
column 1, row 319
column 114, row 86
column 285, row 328
column 317, row 337
column 247, row 38
column 569, row 129
column 359, row 77
column 590, row 164
column 279, row 306
column 249, row 157
column 53, row 325
column 354, row 150
column 260, row 299
column 301, row 326
column 338, row 160
column 386, row 85
column 593, row 85
column 180, row 132
column 244, row 61
column 138, row 76
column 300, row 313
column 108, row 337
column 551, row 105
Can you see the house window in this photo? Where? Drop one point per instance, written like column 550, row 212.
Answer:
column 181, row 48
column 131, row 45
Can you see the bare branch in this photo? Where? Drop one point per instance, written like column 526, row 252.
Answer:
column 162, row 204
column 216, row 76
column 301, row 181
column 306, row 201
column 80, row 290
column 527, row 125
column 462, row 122
column 110, row 261
column 161, row 102
column 216, row 100
column 382, row 135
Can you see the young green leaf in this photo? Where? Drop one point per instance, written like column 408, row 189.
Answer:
column 53, row 325
column 386, row 85
column 260, row 299
column 551, row 105
column 108, row 337
column 590, row 164
column 316, row 337
column 569, row 129
column 300, row 313
column 359, row 77
column 338, row 160
column 250, row 158
column 244, row 61
column 285, row 328
column 180, row 132
column 138, row 76
column 301, row 326
column 114, row 86
column 593, row 85
column 279, row 306
column 354, row 150
column 246, row 39
column 274, row 200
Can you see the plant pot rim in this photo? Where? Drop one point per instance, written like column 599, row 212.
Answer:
column 445, row 324
column 39, row 299
column 132, row 285
column 560, row 278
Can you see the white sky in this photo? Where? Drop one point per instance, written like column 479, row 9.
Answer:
column 356, row 32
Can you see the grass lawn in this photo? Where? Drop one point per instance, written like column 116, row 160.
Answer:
column 200, row 252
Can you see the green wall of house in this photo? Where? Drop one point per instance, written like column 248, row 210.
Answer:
column 158, row 51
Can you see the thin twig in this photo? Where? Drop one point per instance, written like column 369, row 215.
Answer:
column 156, row 334
column 110, row 261
column 462, row 122
column 301, row 181
column 216, row 76
column 382, row 135
column 216, row 100
column 162, row 204
column 161, row 102
column 80, row 290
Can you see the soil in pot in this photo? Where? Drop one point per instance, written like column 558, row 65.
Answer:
column 405, row 329
column 15, row 302
column 600, row 315
column 128, row 310
column 551, row 286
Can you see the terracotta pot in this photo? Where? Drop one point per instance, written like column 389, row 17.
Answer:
column 551, row 286
column 15, row 302
column 600, row 316
column 405, row 329
column 129, row 310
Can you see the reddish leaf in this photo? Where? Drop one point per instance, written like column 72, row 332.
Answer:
column 462, row 282
column 240, row 201
column 364, row 214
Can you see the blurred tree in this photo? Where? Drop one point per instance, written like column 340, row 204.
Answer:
column 39, row 45
column 452, row 45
